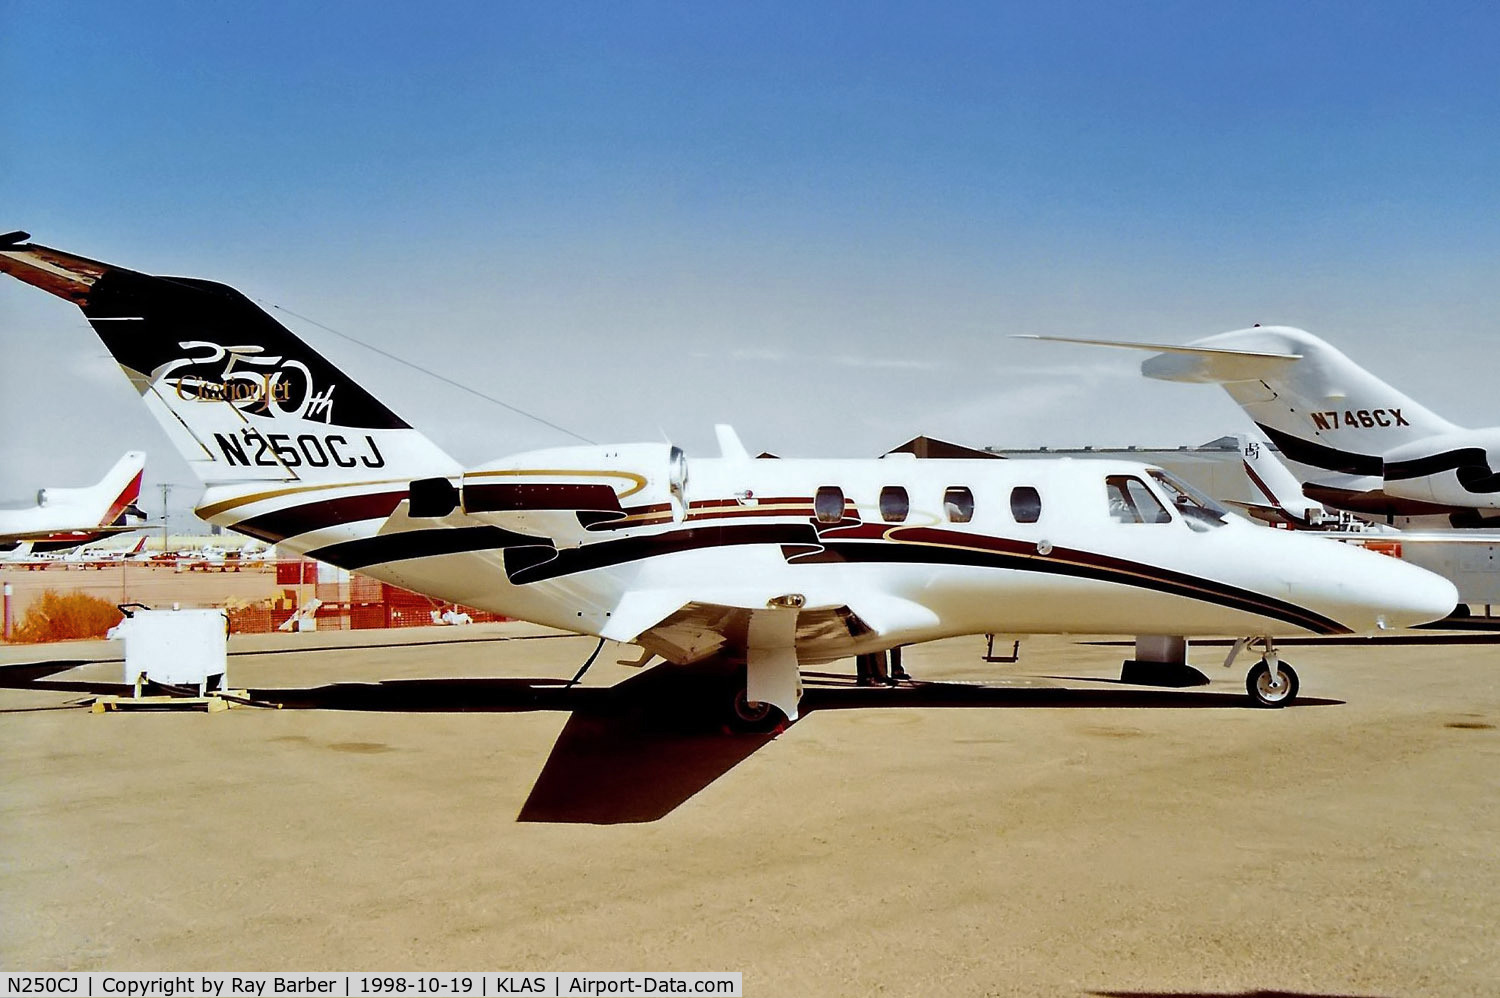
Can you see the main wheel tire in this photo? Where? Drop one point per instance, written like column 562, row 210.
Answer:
column 753, row 715
column 1267, row 691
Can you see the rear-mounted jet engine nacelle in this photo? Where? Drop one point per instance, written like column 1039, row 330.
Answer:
column 429, row 497
column 564, row 491
column 1456, row 469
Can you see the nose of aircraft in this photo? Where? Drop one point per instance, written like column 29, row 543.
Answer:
column 1415, row 595
column 1370, row 592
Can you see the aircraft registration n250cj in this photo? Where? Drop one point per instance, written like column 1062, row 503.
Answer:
column 754, row 566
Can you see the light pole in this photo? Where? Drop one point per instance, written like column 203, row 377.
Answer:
column 166, row 487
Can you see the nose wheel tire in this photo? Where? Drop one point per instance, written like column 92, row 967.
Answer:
column 753, row 715
column 1271, row 690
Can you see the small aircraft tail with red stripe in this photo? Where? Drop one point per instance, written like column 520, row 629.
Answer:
column 68, row 517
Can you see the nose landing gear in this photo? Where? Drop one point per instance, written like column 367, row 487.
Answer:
column 1270, row 687
column 1271, row 682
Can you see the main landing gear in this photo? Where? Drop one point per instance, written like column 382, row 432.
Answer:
column 772, row 685
column 753, row 715
column 1270, row 682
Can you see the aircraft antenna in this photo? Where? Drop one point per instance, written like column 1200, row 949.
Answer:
column 433, row 374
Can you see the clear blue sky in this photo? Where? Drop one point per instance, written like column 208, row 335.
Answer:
column 816, row 221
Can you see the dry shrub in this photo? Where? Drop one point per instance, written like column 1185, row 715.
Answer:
column 58, row 617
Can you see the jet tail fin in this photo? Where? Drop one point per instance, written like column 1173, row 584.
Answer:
column 290, row 447
column 242, row 398
column 1282, row 492
column 105, row 502
column 1325, row 412
column 122, row 485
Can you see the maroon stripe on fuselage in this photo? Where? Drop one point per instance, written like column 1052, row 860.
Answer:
column 1148, row 576
column 280, row 524
column 802, row 544
column 761, row 500
column 699, row 510
column 516, row 497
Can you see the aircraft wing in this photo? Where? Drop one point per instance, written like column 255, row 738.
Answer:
column 775, row 633
column 1419, row 538
column 1207, row 365
column 1265, row 512
column 695, row 624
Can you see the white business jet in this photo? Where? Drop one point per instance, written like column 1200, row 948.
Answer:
column 67, row 518
column 761, row 565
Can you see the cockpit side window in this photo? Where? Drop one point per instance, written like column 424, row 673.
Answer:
column 958, row 504
column 1198, row 510
column 1130, row 501
column 828, row 504
column 894, row 504
column 1025, row 504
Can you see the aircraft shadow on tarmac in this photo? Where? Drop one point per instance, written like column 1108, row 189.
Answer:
column 33, row 675
column 636, row 751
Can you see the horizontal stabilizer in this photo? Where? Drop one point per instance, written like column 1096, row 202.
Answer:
column 56, row 272
column 83, row 534
column 1208, row 365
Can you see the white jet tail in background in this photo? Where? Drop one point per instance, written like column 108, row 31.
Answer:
column 1322, row 410
column 1284, row 501
column 65, row 518
column 1353, row 441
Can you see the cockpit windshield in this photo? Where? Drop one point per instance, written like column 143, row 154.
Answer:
column 1198, row 510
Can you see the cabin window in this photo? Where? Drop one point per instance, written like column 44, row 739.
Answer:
column 828, row 504
column 894, row 504
column 1025, row 504
column 958, row 503
column 1131, row 502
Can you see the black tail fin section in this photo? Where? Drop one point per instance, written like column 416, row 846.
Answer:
column 241, row 396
